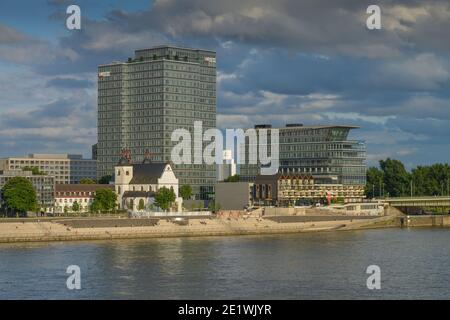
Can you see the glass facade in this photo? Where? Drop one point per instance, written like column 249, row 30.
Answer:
column 321, row 151
column 142, row 101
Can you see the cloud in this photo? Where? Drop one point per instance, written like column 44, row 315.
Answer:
column 315, row 26
column 423, row 72
column 310, row 61
column 19, row 48
column 59, row 82
column 10, row 36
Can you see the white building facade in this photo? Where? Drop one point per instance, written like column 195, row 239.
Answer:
column 66, row 195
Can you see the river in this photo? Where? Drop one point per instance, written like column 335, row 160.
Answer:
column 414, row 264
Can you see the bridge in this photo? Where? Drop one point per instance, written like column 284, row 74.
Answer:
column 418, row 202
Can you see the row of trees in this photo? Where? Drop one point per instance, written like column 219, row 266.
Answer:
column 102, row 180
column 19, row 196
column 392, row 179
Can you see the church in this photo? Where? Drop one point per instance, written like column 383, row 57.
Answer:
column 137, row 183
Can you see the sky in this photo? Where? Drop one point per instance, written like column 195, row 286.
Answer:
column 285, row 61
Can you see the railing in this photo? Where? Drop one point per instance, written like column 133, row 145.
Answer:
column 441, row 201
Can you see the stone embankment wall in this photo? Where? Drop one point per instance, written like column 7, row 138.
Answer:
column 424, row 221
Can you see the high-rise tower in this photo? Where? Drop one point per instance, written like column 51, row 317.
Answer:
column 141, row 102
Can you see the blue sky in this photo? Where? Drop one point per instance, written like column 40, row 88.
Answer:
column 307, row 61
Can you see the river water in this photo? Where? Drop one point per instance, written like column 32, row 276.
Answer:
column 414, row 264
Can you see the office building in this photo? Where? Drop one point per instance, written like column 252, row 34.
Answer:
column 66, row 168
column 142, row 101
column 323, row 152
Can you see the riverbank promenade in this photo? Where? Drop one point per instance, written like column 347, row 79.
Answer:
column 126, row 228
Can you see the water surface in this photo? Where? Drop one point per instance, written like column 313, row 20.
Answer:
column 415, row 264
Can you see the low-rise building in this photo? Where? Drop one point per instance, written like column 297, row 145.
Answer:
column 233, row 195
column 138, row 182
column 43, row 184
column 83, row 194
column 289, row 189
column 66, row 168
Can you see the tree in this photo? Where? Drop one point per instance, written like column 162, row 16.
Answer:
column 186, row 192
column 87, row 181
column 34, row 170
column 94, row 207
column 431, row 180
column 141, row 205
column 234, row 178
column 393, row 178
column 396, row 178
column 75, row 207
column 164, row 197
column 19, row 195
column 104, row 200
column 105, row 179
column 374, row 182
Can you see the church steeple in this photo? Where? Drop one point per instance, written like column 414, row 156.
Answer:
column 125, row 157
